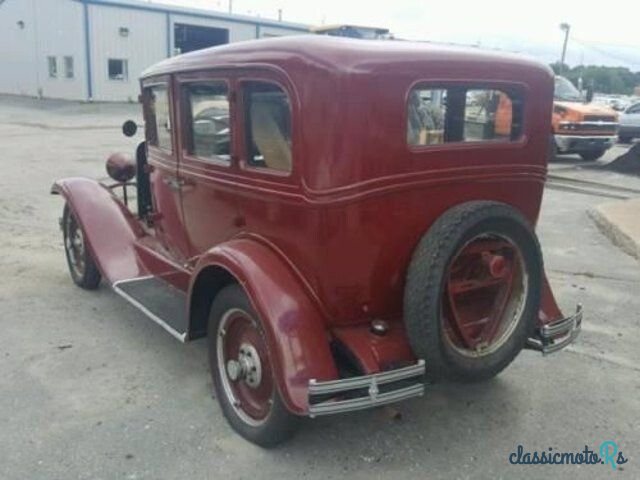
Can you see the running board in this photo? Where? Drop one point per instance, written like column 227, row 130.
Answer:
column 160, row 301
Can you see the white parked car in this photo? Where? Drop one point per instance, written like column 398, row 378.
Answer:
column 630, row 123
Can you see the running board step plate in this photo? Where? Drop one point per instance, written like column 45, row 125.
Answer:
column 160, row 301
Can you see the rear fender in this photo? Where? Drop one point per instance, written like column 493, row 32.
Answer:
column 296, row 334
column 110, row 229
column 549, row 310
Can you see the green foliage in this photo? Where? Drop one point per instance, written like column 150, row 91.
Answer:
column 618, row 80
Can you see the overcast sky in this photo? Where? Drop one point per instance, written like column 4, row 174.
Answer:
column 607, row 34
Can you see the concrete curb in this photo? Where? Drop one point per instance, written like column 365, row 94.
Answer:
column 619, row 222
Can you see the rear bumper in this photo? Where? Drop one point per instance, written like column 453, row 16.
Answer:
column 357, row 393
column 556, row 335
column 583, row 143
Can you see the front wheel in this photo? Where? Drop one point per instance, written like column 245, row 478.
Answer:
column 592, row 156
column 242, row 371
column 473, row 291
column 82, row 267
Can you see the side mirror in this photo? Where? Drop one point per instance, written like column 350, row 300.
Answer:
column 129, row 128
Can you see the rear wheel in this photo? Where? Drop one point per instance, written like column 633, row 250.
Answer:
column 624, row 139
column 242, row 371
column 82, row 268
column 473, row 291
column 592, row 155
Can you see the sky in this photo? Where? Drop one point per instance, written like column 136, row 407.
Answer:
column 599, row 35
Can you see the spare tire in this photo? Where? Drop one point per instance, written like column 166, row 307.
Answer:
column 472, row 293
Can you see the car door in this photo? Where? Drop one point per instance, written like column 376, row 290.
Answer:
column 208, row 170
column 167, row 218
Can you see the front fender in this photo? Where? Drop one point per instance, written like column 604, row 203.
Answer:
column 295, row 329
column 109, row 228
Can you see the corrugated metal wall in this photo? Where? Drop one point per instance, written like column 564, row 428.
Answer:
column 30, row 32
column 144, row 44
column 33, row 30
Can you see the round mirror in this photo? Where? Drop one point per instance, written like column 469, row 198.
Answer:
column 129, row 128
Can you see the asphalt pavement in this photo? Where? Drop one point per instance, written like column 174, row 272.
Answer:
column 91, row 389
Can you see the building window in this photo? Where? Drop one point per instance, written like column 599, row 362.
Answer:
column 158, row 119
column 210, row 134
column 463, row 114
column 68, row 67
column 52, row 63
column 118, row 69
column 268, row 126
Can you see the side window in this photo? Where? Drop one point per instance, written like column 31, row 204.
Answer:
column 118, row 69
column 268, row 126
column 461, row 114
column 209, row 135
column 52, row 66
column 68, row 67
column 158, row 121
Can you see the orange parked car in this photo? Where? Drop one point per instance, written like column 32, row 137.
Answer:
column 578, row 127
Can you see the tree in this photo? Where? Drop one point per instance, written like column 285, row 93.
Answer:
column 617, row 80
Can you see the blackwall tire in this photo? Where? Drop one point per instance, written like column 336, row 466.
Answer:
column 82, row 267
column 265, row 420
column 592, row 156
column 432, row 274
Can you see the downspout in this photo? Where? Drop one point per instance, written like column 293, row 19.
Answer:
column 87, row 47
column 169, row 49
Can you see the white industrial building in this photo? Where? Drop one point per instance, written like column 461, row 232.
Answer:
column 96, row 49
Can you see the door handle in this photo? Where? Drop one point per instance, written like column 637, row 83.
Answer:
column 175, row 183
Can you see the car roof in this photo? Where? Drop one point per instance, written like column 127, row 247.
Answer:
column 343, row 55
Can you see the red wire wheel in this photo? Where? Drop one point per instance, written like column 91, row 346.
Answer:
column 484, row 295
column 82, row 267
column 473, row 289
column 243, row 374
column 244, row 368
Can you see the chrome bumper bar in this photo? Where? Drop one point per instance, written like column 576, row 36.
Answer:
column 356, row 393
column 556, row 335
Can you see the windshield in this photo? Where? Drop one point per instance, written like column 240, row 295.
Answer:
column 565, row 91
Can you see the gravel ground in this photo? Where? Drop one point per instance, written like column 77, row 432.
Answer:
column 91, row 389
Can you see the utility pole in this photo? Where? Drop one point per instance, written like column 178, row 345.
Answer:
column 565, row 27
column 230, row 6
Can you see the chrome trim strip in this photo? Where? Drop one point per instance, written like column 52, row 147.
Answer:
column 341, row 406
column 591, row 123
column 570, row 327
column 371, row 383
column 344, row 385
column 180, row 336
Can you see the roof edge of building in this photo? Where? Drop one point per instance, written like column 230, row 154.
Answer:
column 195, row 12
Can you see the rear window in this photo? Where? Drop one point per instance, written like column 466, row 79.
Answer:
column 462, row 114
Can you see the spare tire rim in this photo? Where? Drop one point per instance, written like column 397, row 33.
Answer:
column 243, row 367
column 484, row 295
column 75, row 245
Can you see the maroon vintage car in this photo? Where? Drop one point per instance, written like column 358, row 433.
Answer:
column 342, row 219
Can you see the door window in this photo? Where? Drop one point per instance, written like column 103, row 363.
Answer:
column 158, row 117
column 209, row 133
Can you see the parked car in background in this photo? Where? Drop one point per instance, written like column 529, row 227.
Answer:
column 579, row 127
column 630, row 123
column 339, row 218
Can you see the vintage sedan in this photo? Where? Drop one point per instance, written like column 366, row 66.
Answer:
column 343, row 220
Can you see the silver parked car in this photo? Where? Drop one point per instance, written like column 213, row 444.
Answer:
column 629, row 123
